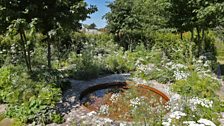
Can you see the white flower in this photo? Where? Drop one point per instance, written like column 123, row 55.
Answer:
column 91, row 113
column 175, row 97
column 198, row 101
column 189, row 122
column 192, row 123
column 122, row 124
column 202, row 57
column 206, row 122
column 206, row 64
column 177, row 114
column 166, row 123
column 107, row 120
column 201, row 122
column 104, row 109
column 114, row 97
column 180, row 75
column 135, row 102
column 199, row 61
column 169, row 64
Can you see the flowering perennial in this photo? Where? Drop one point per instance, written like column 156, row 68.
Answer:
column 114, row 97
column 104, row 109
column 194, row 102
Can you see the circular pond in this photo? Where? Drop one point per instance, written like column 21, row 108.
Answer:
column 124, row 101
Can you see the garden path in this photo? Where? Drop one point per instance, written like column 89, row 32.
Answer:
column 2, row 108
column 74, row 113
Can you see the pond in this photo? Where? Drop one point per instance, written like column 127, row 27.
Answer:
column 122, row 101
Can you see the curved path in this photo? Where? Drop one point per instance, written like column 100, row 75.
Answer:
column 75, row 114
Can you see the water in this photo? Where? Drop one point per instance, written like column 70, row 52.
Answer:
column 120, row 107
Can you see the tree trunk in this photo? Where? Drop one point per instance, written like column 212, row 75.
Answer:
column 199, row 41
column 181, row 35
column 24, row 50
column 192, row 35
column 203, row 38
column 49, row 53
column 203, row 34
column 28, row 51
column 58, row 53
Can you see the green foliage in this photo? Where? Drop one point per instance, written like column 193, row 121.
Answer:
column 120, row 62
column 203, row 87
column 91, row 26
column 175, row 49
column 131, row 21
column 27, row 27
column 123, row 62
column 66, row 13
column 200, row 112
column 28, row 100
column 168, row 49
column 181, row 15
column 86, row 68
column 162, row 76
column 185, row 15
column 17, row 16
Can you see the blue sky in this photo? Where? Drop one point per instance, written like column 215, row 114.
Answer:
column 97, row 16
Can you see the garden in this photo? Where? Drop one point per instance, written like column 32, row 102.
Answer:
column 156, row 63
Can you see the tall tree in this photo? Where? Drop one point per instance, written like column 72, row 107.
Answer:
column 92, row 26
column 187, row 15
column 181, row 16
column 51, row 14
column 121, row 21
column 130, row 19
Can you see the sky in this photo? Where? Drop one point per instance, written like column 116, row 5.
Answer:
column 97, row 16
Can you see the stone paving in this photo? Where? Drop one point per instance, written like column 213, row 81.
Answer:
column 76, row 114
column 2, row 108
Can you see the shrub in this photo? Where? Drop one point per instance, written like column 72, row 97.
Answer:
column 179, row 51
column 194, row 85
column 90, row 61
column 28, row 100
column 120, row 62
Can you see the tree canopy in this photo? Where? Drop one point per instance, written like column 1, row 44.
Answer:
column 130, row 20
column 49, row 15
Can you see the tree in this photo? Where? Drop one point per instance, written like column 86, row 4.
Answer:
column 91, row 26
column 208, row 15
column 51, row 15
column 181, row 16
column 152, row 13
column 130, row 20
column 187, row 15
